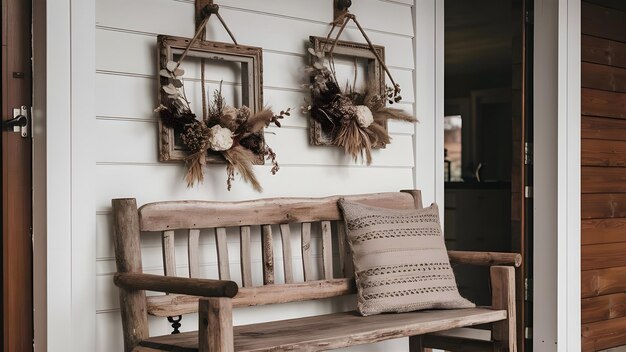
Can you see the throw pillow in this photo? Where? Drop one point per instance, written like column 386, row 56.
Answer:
column 400, row 259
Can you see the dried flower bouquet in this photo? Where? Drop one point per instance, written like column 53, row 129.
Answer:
column 235, row 133
column 356, row 120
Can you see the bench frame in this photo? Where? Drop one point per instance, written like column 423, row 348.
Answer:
column 215, row 299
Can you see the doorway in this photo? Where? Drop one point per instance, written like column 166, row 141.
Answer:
column 488, row 141
column 16, row 97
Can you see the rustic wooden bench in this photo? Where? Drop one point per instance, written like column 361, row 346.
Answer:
column 213, row 300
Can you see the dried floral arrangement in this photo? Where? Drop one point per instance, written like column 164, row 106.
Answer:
column 222, row 133
column 235, row 133
column 356, row 121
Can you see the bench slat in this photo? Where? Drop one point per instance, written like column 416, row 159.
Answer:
column 223, row 264
column 345, row 258
column 171, row 305
column 267, row 245
column 306, row 251
column 169, row 256
column 200, row 214
column 337, row 330
column 246, row 265
column 192, row 253
column 327, row 250
column 285, row 234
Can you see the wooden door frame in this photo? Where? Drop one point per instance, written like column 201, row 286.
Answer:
column 17, row 302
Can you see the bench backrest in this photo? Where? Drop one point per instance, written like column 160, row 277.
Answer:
column 168, row 218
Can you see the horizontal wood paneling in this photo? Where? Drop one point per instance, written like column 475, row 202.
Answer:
column 602, row 128
column 604, row 334
column 603, row 176
column 289, row 143
column 157, row 182
column 601, row 206
column 603, row 22
column 603, row 179
column 611, row 4
column 250, row 28
column 598, row 152
column 603, row 282
column 142, row 49
column 598, row 231
column 603, row 77
column 603, row 51
column 319, row 12
column 600, row 256
column 603, row 307
column 602, row 103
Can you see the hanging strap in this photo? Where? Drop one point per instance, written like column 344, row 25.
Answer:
column 208, row 10
column 345, row 19
column 212, row 9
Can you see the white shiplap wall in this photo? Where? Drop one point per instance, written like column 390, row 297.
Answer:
column 126, row 147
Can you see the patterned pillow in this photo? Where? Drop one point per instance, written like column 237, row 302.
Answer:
column 400, row 259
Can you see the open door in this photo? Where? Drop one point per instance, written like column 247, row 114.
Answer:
column 488, row 141
column 17, row 293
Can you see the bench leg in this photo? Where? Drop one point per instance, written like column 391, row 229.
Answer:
column 416, row 344
column 215, row 331
column 504, row 332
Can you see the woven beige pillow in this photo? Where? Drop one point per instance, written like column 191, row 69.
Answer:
column 400, row 259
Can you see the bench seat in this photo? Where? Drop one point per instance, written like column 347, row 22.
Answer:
column 331, row 331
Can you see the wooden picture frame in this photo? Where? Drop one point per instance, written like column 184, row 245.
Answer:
column 171, row 148
column 375, row 77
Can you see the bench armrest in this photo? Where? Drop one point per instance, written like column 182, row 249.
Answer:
column 485, row 258
column 173, row 284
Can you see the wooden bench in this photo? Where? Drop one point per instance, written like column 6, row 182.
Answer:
column 213, row 300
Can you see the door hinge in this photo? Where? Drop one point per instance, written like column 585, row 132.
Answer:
column 527, row 289
column 528, row 153
column 528, row 333
column 528, row 191
column 528, row 17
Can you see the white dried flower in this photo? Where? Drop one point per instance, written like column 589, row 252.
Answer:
column 221, row 138
column 364, row 116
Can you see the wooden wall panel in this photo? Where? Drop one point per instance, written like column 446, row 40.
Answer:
column 602, row 103
column 604, row 334
column 603, row 77
column 603, row 51
column 598, row 231
column 603, row 307
column 603, row 128
column 603, row 175
column 598, row 152
column 603, row 179
column 602, row 206
column 603, row 22
column 603, row 282
column 600, row 256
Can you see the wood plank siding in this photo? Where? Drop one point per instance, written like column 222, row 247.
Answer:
column 603, row 184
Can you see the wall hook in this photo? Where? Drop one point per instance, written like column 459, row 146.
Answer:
column 341, row 8
column 204, row 8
